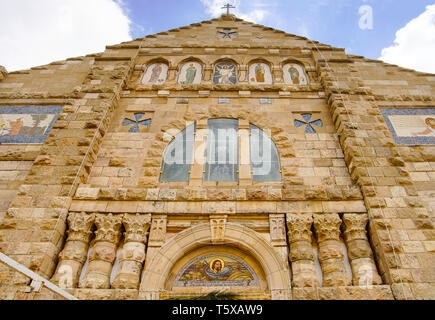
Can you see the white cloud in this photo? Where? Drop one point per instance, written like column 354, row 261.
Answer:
column 36, row 32
column 414, row 45
column 251, row 13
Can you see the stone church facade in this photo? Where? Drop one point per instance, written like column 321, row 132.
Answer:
column 324, row 188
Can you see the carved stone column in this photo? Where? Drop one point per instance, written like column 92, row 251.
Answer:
column 133, row 253
column 360, row 253
column 74, row 254
column 103, row 253
column 301, row 251
column 331, row 256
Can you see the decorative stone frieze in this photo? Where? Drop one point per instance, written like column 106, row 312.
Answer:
column 103, row 252
column 331, row 257
column 73, row 256
column 360, row 254
column 301, row 250
column 132, row 254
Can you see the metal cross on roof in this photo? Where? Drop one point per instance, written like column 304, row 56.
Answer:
column 228, row 7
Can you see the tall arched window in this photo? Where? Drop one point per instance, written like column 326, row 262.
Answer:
column 265, row 164
column 178, row 157
column 220, row 162
column 222, row 152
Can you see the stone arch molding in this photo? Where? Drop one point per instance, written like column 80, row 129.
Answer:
column 170, row 129
column 157, row 270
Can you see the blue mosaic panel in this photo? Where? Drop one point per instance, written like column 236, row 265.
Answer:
column 310, row 125
column 27, row 124
column 137, row 122
column 411, row 126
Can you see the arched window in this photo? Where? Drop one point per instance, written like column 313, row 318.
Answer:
column 178, row 157
column 220, row 162
column 265, row 164
column 222, row 152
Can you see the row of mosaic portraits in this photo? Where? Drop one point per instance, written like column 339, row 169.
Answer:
column 32, row 124
column 224, row 73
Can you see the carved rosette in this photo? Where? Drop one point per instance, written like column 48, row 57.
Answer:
column 301, row 250
column 331, row 256
column 103, row 252
column 360, row 253
column 132, row 255
column 73, row 256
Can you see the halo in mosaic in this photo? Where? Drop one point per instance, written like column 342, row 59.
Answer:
column 137, row 123
column 309, row 123
column 411, row 126
column 216, row 270
column 27, row 124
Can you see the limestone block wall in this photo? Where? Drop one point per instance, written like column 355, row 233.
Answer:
column 91, row 175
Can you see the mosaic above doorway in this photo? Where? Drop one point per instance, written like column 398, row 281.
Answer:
column 27, row 124
column 411, row 126
column 216, row 270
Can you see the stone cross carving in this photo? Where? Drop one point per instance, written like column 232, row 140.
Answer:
column 228, row 7
column 217, row 228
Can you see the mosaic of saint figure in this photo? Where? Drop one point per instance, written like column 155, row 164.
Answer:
column 190, row 73
column 216, row 270
column 155, row 74
column 260, row 73
column 294, row 74
column 225, row 73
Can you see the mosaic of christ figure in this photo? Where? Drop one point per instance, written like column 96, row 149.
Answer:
column 225, row 73
column 259, row 73
column 190, row 73
column 294, row 74
column 156, row 73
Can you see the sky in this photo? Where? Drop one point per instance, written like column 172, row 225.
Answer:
column 34, row 33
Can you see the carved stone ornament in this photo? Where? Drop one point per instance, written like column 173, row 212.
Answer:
column 299, row 226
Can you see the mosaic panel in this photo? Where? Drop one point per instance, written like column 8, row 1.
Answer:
column 190, row 73
column 310, row 123
column 294, row 74
column 156, row 73
column 225, row 73
column 411, row 126
column 137, row 123
column 216, row 270
column 27, row 124
column 259, row 73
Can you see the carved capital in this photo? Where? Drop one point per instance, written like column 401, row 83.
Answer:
column 355, row 226
column 108, row 227
column 327, row 226
column 299, row 226
column 79, row 226
column 136, row 227
column 217, row 228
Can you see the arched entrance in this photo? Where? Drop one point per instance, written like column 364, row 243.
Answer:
column 240, row 243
